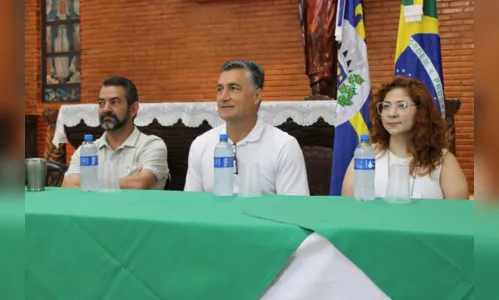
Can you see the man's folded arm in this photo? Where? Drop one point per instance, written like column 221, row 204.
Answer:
column 153, row 167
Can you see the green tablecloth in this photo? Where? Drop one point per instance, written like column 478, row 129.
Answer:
column 487, row 251
column 423, row 250
column 176, row 245
column 12, row 255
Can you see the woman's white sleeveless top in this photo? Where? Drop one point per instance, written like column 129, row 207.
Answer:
column 427, row 186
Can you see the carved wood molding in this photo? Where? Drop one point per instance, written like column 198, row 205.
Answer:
column 30, row 137
column 51, row 152
column 452, row 107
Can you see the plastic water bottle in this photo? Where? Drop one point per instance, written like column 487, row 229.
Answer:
column 364, row 165
column 224, row 168
column 89, row 164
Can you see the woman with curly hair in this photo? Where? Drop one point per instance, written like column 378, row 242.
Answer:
column 407, row 128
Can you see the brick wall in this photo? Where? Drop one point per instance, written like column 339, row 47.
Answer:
column 32, row 66
column 173, row 49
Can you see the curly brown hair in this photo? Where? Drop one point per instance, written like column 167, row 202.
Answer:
column 429, row 132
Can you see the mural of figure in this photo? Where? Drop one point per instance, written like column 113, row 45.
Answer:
column 75, row 61
column 50, row 72
column 76, row 7
column 61, row 42
column 62, row 38
column 318, row 18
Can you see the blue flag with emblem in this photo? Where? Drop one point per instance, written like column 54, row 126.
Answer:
column 354, row 88
column 418, row 53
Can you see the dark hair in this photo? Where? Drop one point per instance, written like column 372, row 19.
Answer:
column 429, row 132
column 131, row 93
column 256, row 72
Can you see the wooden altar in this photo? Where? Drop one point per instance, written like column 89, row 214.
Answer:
column 316, row 139
column 316, row 142
column 30, row 136
column 178, row 124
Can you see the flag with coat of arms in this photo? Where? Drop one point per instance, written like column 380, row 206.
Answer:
column 354, row 88
column 418, row 54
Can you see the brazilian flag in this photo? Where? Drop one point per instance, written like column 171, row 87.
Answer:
column 418, row 54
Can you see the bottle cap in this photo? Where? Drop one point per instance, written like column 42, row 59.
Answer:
column 88, row 138
column 224, row 137
column 364, row 137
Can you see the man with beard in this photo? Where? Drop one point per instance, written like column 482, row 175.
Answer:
column 140, row 159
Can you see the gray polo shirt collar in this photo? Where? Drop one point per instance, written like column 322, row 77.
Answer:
column 131, row 141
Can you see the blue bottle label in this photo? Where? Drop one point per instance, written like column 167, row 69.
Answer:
column 364, row 164
column 89, row 161
column 224, row 162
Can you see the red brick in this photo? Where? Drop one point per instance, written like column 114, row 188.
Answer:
column 173, row 51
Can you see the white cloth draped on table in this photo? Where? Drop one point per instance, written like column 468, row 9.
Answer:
column 319, row 271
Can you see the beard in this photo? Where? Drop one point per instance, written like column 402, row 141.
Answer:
column 114, row 123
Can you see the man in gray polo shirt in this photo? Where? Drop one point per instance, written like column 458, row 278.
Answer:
column 140, row 159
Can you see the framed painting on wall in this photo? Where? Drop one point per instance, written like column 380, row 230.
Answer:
column 61, row 69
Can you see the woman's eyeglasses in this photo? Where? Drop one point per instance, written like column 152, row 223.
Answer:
column 401, row 107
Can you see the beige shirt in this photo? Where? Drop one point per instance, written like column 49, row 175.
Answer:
column 138, row 150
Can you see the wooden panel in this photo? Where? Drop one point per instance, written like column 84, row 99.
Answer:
column 178, row 138
column 31, row 133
